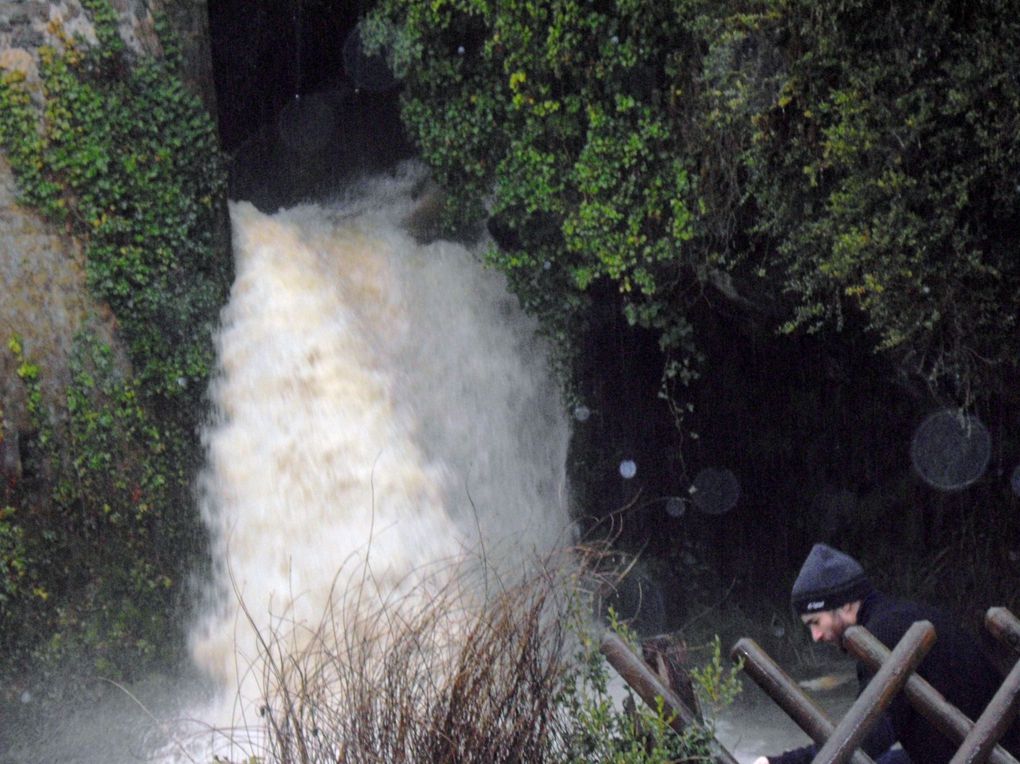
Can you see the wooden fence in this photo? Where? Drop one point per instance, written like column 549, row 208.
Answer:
column 977, row 740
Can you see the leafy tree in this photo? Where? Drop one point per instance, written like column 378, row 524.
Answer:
column 887, row 178
column 835, row 164
column 557, row 120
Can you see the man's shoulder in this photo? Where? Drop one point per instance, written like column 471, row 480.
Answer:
column 888, row 617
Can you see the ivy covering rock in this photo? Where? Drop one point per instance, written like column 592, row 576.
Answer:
column 98, row 530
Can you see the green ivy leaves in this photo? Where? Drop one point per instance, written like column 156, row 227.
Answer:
column 127, row 156
column 99, row 533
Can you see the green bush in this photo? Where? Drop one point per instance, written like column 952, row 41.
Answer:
column 95, row 568
column 550, row 118
column 848, row 165
column 885, row 172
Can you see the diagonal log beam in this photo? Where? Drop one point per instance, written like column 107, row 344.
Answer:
column 928, row 701
column 779, row 686
column 993, row 722
column 1001, row 710
column 878, row 694
column 1004, row 626
column 646, row 684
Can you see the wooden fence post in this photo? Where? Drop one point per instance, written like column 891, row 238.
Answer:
column 638, row 675
column 779, row 686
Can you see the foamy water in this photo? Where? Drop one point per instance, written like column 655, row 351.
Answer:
column 385, row 422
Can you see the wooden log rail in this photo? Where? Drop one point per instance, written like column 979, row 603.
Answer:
column 894, row 672
column 1004, row 626
column 1002, row 709
column 779, row 686
column 878, row 693
column 636, row 673
column 929, row 702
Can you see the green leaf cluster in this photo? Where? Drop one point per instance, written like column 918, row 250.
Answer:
column 126, row 157
column 835, row 164
column 551, row 118
column 99, row 531
column 600, row 730
column 95, row 567
column 886, row 176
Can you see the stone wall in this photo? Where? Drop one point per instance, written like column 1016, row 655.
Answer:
column 25, row 27
column 44, row 299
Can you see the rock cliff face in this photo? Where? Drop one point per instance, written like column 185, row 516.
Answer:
column 44, row 298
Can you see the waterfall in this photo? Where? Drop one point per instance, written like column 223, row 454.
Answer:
column 383, row 418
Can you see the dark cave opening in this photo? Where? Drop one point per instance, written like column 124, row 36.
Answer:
column 297, row 114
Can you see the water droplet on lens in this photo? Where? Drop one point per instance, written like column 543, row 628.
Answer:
column 628, row 469
column 715, row 491
column 950, row 449
column 581, row 413
column 675, row 507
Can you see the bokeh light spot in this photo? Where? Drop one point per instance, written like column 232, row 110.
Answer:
column 950, row 449
column 675, row 506
column 715, row 491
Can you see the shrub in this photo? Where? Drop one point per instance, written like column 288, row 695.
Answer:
column 812, row 162
column 441, row 678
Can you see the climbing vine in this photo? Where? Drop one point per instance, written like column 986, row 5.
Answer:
column 94, row 536
column 125, row 156
column 98, row 532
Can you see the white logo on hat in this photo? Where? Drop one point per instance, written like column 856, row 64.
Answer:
column 817, row 605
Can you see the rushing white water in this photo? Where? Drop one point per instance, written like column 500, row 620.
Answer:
column 382, row 410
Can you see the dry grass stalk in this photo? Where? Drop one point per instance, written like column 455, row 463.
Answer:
column 448, row 677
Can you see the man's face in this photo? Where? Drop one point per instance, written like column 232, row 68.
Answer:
column 828, row 625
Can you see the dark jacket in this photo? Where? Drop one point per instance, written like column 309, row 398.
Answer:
column 955, row 666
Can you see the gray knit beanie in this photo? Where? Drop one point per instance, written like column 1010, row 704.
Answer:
column 827, row 580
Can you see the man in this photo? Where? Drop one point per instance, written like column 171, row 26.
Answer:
column 832, row 593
